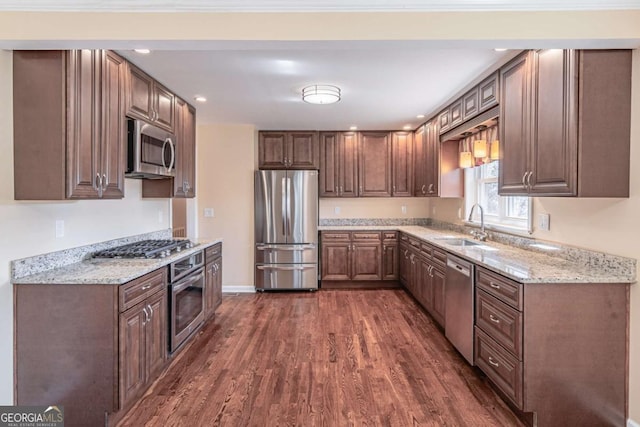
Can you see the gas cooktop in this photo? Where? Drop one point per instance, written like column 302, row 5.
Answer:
column 145, row 249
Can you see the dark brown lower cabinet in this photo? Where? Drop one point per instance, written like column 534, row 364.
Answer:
column 422, row 274
column 94, row 349
column 213, row 279
column 359, row 258
column 556, row 351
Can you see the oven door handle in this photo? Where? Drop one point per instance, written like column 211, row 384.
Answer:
column 185, row 283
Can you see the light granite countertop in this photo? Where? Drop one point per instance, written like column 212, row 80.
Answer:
column 525, row 266
column 108, row 271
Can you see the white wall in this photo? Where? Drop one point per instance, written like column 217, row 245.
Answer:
column 28, row 228
column 607, row 225
column 225, row 163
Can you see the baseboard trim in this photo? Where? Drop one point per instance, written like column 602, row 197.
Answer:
column 631, row 423
column 239, row 289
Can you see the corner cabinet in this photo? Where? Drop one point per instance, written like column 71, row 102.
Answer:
column 565, row 123
column 69, row 124
column 149, row 100
column 111, row 340
column 288, row 150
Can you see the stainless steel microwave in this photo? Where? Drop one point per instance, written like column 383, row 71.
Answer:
column 151, row 151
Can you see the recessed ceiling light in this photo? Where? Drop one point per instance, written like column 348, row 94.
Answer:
column 420, row 116
column 407, row 127
column 500, row 49
column 353, row 128
column 200, row 98
column 142, row 51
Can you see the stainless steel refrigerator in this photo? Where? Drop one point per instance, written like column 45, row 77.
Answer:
column 286, row 229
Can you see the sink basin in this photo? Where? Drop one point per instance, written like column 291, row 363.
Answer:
column 458, row 241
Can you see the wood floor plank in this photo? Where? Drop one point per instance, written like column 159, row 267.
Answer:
column 330, row 358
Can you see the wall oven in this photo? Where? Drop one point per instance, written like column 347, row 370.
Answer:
column 151, row 151
column 186, row 298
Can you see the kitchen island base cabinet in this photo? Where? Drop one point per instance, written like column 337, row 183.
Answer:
column 90, row 348
column 572, row 338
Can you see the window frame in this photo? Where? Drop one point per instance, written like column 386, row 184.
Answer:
column 474, row 180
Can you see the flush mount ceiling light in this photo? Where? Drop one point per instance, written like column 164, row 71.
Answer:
column 142, row 51
column 321, row 94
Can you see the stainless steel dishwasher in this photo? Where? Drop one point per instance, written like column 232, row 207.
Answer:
column 459, row 305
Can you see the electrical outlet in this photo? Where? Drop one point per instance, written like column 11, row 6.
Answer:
column 208, row 213
column 160, row 216
column 59, row 228
column 544, row 221
column 336, row 210
column 403, row 208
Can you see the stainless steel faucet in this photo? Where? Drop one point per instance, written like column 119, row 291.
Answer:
column 482, row 234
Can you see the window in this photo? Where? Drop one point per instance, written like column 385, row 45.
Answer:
column 508, row 212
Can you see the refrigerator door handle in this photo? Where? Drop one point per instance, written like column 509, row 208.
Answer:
column 286, row 247
column 285, row 268
column 288, row 208
column 284, row 206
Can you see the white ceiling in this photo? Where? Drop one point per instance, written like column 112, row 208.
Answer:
column 385, row 84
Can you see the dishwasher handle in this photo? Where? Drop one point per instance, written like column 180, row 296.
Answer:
column 459, row 268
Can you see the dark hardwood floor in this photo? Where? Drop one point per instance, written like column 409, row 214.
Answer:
column 331, row 358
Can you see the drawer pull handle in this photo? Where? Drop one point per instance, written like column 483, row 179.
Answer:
column 494, row 319
column 145, row 287
column 493, row 363
column 494, row 285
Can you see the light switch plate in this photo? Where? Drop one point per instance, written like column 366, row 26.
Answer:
column 208, row 212
column 544, row 220
column 336, row 210
column 403, row 208
column 59, row 228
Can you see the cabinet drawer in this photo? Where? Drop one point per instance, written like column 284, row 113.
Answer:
column 500, row 321
column 139, row 289
column 213, row 252
column 439, row 257
column 500, row 287
column 365, row 236
column 427, row 250
column 404, row 237
column 504, row 370
column 390, row 235
column 336, row 236
column 414, row 243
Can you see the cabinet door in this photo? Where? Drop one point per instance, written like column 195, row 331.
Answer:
column 553, row 123
column 456, row 113
column 139, row 94
column 402, row 164
column 335, row 260
column 432, row 158
column 113, row 156
column 83, row 125
column 419, row 163
column 390, row 261
column 302, row 150
column 488, row 93
column 209, row 285
column 438, row 285
column 374, row 164
column 426, row 285
column 444, row 120
column 348, row 164
column 514, row 126
column 404, row 264
column 365, row 261
column 132, row 353
column 164, row 107
column 185, row 180
column 272, row 148
column 156, row 331
column 217, row 284
column 328, row 176
column 470, row 104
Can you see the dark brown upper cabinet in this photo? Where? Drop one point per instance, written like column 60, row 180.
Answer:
column 488, row 93
column 374, row 164
column 288, row 150
column 69, row 124
column 470, row 104
column 149, row 100
column 565, row 123
column 338, row 164
column 402, row 164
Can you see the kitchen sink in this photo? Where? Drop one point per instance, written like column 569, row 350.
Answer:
column 458, row 241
